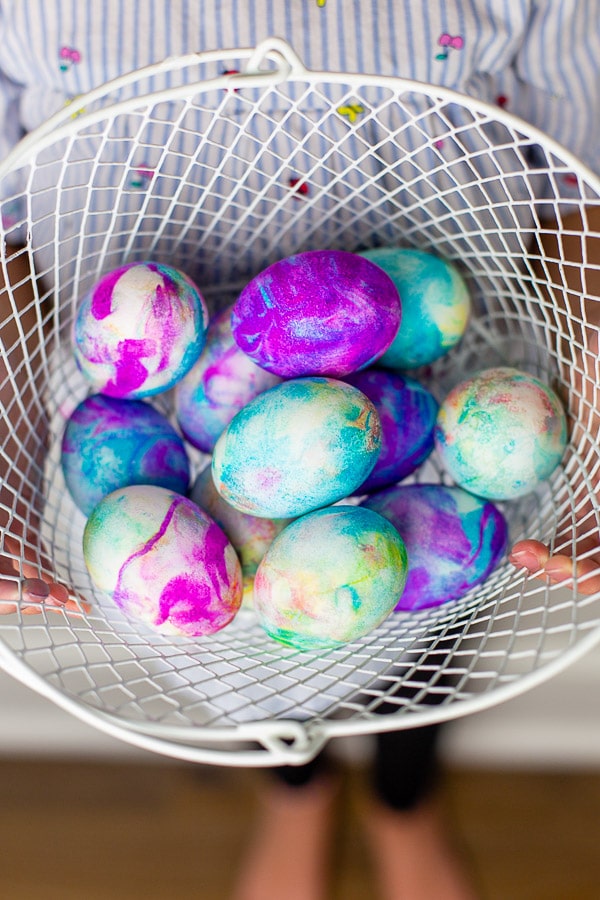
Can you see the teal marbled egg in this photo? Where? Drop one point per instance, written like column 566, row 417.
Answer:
column 330, row 577
column 501, row 433
column 301, row 445
column 436, row 305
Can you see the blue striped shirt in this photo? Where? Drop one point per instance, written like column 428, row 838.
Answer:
column 540, row 59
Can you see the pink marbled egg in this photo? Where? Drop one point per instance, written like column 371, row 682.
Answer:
column 163, row 561
column 139, row 330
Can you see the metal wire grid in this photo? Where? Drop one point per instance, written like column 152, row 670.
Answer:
column 209, row 176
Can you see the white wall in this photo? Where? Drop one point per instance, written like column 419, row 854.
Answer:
column 555, row 724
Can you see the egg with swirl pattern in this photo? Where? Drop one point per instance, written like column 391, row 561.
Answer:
column 301, row 445
column 321, row 312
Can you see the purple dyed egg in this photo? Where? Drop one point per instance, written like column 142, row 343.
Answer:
column 454, row 540
column 407, row 412
column 139, row 330
column 222, row 381
column 322, row 312
column 163, row 561
column 110, row 443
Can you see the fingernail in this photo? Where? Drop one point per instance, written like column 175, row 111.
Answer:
column 525, row 559
column 35, row 587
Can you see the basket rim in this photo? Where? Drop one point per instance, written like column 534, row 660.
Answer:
column 283, row 741
column 70, row 119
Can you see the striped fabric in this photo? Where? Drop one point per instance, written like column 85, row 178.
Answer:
column 538, row 58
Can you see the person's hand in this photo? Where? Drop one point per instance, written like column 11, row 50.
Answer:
column 560, row 568
column 575, row 555
column 37, row 588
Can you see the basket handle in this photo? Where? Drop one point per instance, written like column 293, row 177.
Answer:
column 273, row 50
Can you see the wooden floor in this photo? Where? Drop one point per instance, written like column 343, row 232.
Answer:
column 169, row 832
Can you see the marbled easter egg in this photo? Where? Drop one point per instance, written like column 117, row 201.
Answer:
column 250, row 536
column 436, row 305
column 163, row 561
column 139, row 330
column 219, row 384
column 330, row 577
column 501, row 433
column 321, row 312
column 454, row 540
column 303, row 444
column 407, row 412
column 109, row 443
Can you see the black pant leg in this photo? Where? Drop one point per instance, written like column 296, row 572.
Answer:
column 300, row 776
column 405, row 769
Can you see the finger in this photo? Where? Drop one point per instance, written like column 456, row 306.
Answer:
column 31, row 589
column 8, row 566
column 58, row 592
column 33, row 573
column 72, row 604
column 564, row 570
column 29, row 564
column 9, row 588
column 73, row 607
column 7, row 609
column 35, row 587
column 76, row 607
column 559, row 568
column 529, row 554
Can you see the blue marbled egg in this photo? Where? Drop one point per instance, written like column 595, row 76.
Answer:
column 221, row 382
column 407, row 411
column 436, row 305
column 501, row 433
column 330, row 577
column 301, row 445
column 109, row 443
column 454, row 540
column 250, row 536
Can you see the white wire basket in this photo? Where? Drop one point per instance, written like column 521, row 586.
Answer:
column 220, row 173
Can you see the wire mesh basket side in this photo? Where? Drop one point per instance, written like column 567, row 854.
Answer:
column 220, row 179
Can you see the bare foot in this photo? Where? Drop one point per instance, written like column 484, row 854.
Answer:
column 414, row 857
column 289, row 850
